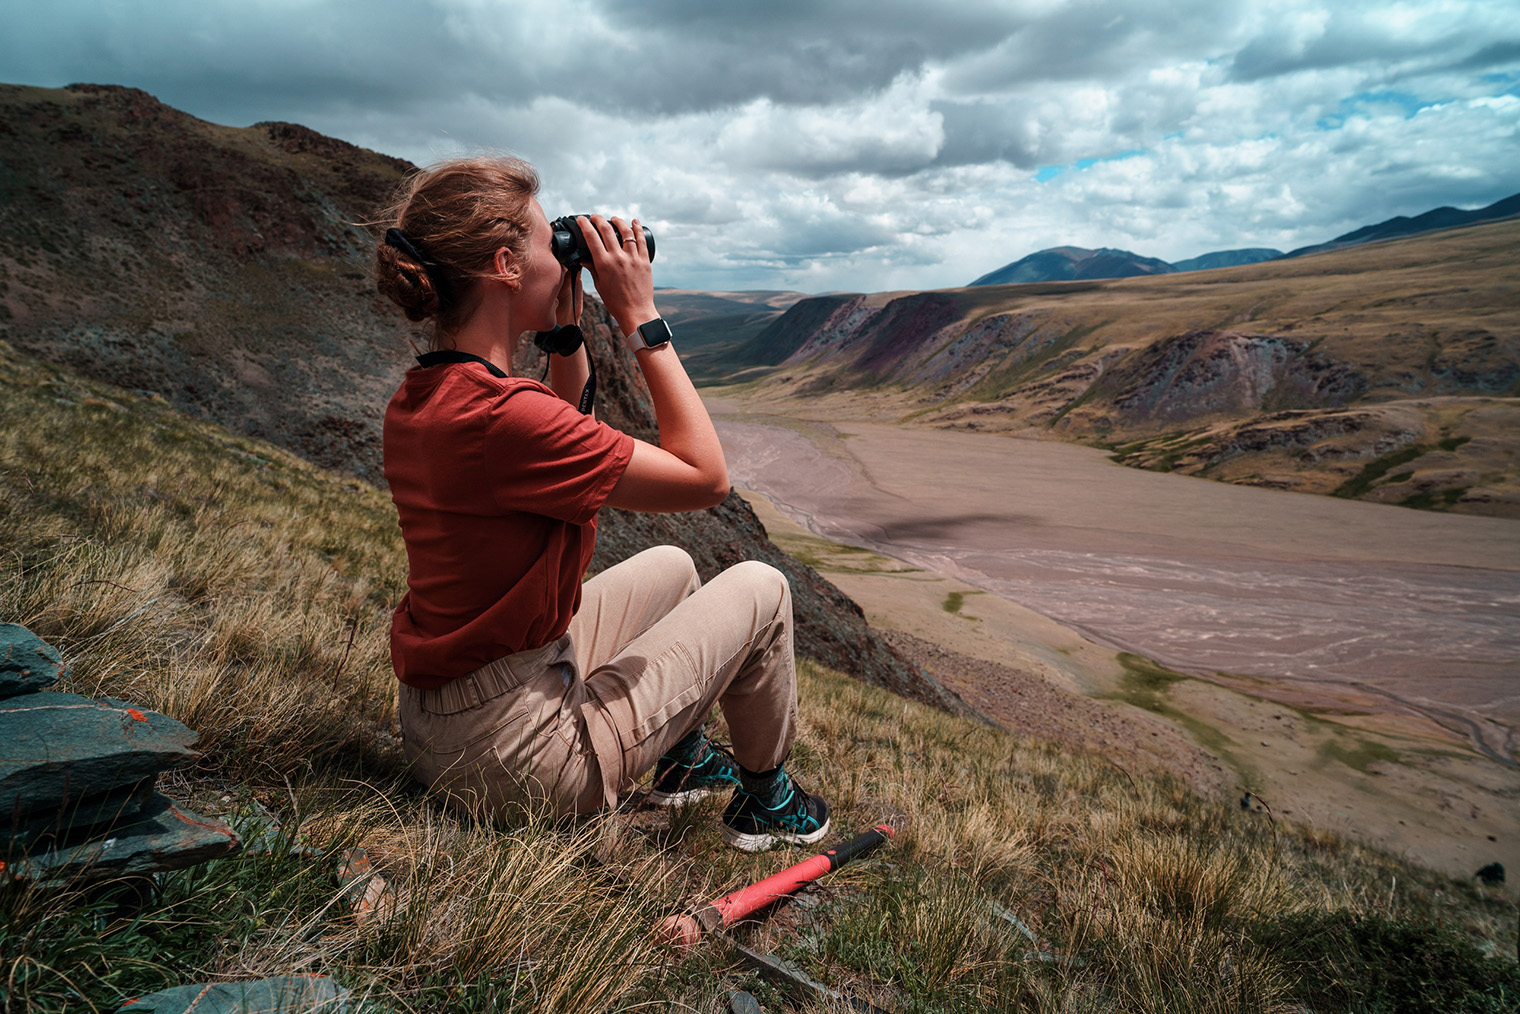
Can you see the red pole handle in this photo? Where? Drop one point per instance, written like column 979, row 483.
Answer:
column 732, row 907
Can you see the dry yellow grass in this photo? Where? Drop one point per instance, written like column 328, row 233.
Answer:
column 247, row 593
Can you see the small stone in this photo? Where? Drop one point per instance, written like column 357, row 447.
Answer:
column 740, row 1002
column 27, row 663
column 60, row 747
column 282, row 994
column 162, row 837
column 369, row 897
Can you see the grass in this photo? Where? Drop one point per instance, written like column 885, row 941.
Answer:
column 1375, row 470
column 955, row 600
column 238, row 588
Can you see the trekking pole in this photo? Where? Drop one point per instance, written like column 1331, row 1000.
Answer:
column 683, row 931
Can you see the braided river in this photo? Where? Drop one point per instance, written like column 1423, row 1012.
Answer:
column 1394, row 609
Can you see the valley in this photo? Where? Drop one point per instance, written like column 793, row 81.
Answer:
column 1352, row 663
column 1385, row 372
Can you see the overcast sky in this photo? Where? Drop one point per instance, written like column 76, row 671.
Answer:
column 865, row 144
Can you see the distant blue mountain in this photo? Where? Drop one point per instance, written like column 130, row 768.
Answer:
column 1073, row 263
column 1440, row 218
column 1227, row 258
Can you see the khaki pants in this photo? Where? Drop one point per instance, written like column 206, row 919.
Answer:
column 648, row 654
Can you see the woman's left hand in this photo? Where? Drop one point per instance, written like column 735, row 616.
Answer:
column 571, row 299
column 620, row 268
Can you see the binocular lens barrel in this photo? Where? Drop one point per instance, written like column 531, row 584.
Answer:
column 570, row 246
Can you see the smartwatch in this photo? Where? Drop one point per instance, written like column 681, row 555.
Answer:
column 653, row 335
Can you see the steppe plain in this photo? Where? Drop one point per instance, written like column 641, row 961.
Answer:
column 1391, row 759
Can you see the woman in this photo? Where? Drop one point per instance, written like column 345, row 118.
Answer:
column 518, row 682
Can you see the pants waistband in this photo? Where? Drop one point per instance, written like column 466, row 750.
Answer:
column 496, row 678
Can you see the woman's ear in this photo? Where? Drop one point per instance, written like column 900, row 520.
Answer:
column 508, row 269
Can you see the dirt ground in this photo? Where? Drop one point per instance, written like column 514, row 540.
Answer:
column 1393, row 781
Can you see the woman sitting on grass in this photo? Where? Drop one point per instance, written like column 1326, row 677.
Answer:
column 518, row 682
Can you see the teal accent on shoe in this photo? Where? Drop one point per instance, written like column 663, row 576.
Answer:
column 798, row 817
column 676, row 783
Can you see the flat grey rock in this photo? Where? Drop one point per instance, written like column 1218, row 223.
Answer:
column 162, row 837
column 27, row 663
column 74, row 820
column 57, row 747
column 283, row 994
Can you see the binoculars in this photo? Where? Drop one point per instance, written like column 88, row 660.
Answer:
column 570, row 246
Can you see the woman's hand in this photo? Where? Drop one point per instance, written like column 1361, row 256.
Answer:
column 621, row 270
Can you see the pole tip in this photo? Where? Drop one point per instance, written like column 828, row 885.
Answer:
column 680, row 932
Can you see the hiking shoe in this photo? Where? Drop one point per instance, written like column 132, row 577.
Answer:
column 677, row 782
column 799, row 817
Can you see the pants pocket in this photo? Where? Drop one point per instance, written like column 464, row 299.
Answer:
column 670, row 684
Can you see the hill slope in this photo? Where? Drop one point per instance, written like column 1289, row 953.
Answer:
column 1383, row 371
column 244, row 591
column 225, row 269
column 1403, row 225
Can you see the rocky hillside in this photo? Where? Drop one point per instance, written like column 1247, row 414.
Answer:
column 227, row 270
column 1385, row 371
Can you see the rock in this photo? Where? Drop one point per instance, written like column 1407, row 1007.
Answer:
column 740, row 1002
column 73, row 820
column 162, row 837
column 366, row 892
column 1493, row 873
column 27, row 663
column 284, row 994
column 62, row 746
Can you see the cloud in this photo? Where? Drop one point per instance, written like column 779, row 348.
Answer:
column 845, row 144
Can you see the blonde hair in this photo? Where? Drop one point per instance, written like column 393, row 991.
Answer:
column 457, row 214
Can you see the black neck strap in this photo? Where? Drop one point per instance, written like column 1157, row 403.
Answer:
column 441, row 356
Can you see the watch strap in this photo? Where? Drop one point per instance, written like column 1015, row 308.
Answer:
column 652, row 334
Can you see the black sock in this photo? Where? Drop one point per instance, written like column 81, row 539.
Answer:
column 765, row 786
column 687, row 750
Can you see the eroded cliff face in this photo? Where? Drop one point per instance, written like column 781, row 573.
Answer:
column 1204, row 373
column 1387, row 373
column 229, row 270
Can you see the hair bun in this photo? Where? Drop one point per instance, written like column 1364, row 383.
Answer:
column 406, row 283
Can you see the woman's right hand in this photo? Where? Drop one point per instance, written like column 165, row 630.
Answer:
column 622, row 272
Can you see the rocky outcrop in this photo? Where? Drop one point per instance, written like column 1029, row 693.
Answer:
column 1204, row 373
column 76, row 785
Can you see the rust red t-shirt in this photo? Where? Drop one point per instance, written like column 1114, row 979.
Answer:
column 497, row 482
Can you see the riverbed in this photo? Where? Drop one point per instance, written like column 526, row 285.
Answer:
column 1413, row 611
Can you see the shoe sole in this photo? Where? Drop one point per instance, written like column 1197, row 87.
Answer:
column 657, row 798
column 764, row 840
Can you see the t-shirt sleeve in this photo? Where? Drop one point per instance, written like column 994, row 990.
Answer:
column 552, row 459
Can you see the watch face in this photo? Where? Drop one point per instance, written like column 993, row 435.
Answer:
column 655, row 333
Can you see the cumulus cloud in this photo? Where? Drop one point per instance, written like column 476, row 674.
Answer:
column 868, row 144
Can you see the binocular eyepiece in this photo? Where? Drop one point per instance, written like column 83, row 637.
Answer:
column 569, row 244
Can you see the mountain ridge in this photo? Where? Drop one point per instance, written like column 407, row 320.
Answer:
column 1067, row 263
